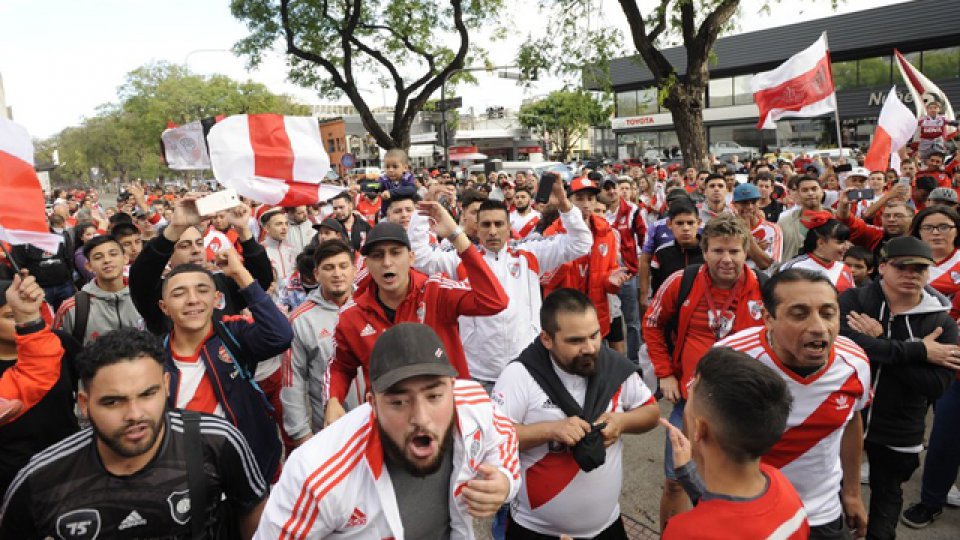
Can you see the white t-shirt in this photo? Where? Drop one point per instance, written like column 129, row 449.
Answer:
column 808, row 453
column 556, row 496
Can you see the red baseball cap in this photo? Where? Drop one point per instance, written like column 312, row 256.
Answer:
column 583, row 183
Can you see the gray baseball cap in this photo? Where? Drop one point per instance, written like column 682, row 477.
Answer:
column 404, row 351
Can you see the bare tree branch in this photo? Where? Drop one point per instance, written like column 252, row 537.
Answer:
column 658, row 64
column 687, row 28
column 710, row 29
column 661, row 25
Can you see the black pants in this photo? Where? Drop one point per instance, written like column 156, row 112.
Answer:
column 889, row 470
column 835, row 530
column 517, row 532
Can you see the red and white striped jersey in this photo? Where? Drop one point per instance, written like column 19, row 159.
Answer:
column 945, row 275
column 808, row 453
column 336, row 484
column 557, row 497
column 771, row 233
column 838, row 272
column 524, row 225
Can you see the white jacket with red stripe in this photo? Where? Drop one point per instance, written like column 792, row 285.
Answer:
column 336, row 483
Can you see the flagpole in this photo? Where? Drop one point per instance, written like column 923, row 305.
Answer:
column 13, row 263
column 836, row 104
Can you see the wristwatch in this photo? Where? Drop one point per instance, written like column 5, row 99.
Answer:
column 456, row 232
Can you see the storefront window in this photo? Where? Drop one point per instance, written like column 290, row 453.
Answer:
column 740, row 139
column 742, row 95
column 941, row 63
column 721, row 92
column 845, row 74
column 627, row 103
column 805, row 134
column 874, row 71
column 647, row 101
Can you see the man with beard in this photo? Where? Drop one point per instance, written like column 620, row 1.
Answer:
column 300, row 229
column 356, row 227
column 523, row 219
column 829, row 378
column 420, row 459
column 571, row 399
column 126, row 476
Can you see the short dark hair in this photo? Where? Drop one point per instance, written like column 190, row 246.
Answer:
column 831, row 229
column 745, row 402
column 790, row 275
column 342, row 195
column 122, row 344
column 118, row 218
column 305, row 263
column 946, row 211
column 405, row 197
column 861, row 254
column 764, row 175
column 185, row 268
column 714, row 176
column 797, row 179
column 98, row 241
column 331, row 248
column 562, row 301
column 124, row 228
column 679, row 208
column 494, row 204
column 471, row 196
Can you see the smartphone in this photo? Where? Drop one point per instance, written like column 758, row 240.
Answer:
column 865, row 194
column 846, row 167
column 545, row 187
column 215, row 202
column 903, row 181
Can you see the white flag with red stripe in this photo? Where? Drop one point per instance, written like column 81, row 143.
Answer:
column 922, row 89
column 895, row 128
column 800, row 87
column 23, row 218
column 270, row 158
column 184, row 147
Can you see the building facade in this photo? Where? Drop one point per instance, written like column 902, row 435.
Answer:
column 861, row 47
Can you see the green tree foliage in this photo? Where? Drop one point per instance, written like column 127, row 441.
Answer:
column 123, row 139
column 564, row 117
column 413, row 46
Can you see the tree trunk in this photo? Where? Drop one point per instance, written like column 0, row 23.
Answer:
column 685, row 103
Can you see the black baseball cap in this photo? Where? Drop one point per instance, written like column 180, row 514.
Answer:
column 333, row 224
column 404, row 351
column 908, row 249
column 383, row 232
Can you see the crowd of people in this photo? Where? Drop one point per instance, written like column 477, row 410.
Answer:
column 422, row 350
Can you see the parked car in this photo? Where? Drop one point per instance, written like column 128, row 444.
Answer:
column 726, row 148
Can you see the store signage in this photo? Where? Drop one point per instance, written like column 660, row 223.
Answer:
column 463, row 150
column 876, row 99
column 530, row 150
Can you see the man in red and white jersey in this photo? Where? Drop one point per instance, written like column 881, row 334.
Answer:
column 766, row 244
column 571, row 398
column 523, row 219
column 829, row 378
column 737, row 410
column 424, row 456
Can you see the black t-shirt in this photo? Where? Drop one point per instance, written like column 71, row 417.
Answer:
column 65, row 492
column 772, row 211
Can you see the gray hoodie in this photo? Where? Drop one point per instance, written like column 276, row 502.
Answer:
column 108, row 311
column 314, row 323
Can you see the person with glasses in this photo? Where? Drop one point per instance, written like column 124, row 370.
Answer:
column 937, row 226
column 907, row 332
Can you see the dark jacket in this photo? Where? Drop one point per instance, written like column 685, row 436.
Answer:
column 243, row 405
column 358, row 233
column 50, row 269
column 146, row 280
column 904, row 383
column 671, row 257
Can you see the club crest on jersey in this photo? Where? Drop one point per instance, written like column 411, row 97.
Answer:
column 955, row 276
column 475, row 442
column 224, row 355
column 756, row 308
column 82, row 524
column 221, row 302
column 179, row 502
column 602, row 248
column 843, row 402
column 515, row 269
column 421, row 311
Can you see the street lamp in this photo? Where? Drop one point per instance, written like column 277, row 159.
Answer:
column 443, row 99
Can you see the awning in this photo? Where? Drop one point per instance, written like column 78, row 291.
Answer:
column 473, row 156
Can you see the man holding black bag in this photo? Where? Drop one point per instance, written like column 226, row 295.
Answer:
column 570, row 398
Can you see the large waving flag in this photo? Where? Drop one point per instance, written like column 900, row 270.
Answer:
column 895, row 128
column 922, row 89
column 23, row 218
column 800, row 87
column 270, row 158
column 184, row 147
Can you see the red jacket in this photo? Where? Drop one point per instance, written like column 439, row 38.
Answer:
column 631, row 227
column 589, row 274
column 436, row 301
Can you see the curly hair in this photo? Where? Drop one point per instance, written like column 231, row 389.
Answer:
column 123, row 344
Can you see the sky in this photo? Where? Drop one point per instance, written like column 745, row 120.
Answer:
column 60, row 59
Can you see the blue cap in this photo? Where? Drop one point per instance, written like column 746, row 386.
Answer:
column 746, row 192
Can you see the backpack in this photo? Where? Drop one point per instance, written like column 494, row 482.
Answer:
column 686, row 284
column 81, row 314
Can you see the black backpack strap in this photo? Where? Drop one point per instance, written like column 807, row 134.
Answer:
column 686, row 285
column 196, row 478
column 81, row 314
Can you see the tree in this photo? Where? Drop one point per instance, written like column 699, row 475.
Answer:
column 123, row 138
column 696, row 24
column 333, row 45
column 563, row 118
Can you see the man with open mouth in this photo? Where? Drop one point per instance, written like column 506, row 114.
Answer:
column 829, row 378
column 420, row 459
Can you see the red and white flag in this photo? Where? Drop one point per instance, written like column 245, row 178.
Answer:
column 922, row 89
column 184, row 147
column 801, row 87
column 895, row 128
column 23, row 218
column 270, row 158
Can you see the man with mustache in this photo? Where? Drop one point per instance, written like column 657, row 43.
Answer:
column 126, row 475
column 571, row 399
column 420, row 459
